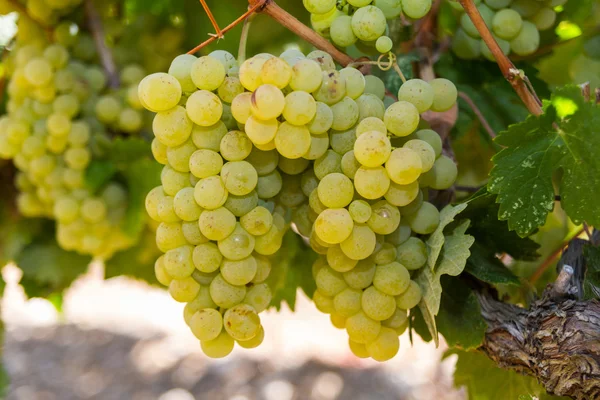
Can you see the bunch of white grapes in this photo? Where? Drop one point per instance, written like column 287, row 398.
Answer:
column 515, row 24
column 361, row 22
column 244, row 143
column 59, row 110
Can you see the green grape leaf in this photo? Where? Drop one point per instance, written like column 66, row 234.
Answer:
column 535, row 150
column 99, row 173
column 142, row 176
column 591, row 283
column 127, row 150
column 137, row 261
column 436, row 239
column 485, row 381
column 493, row 234
column 459, row 319
column 47, row 268
column 418, row 324
column 292, row 269
column 452, row 261
column 484, row 266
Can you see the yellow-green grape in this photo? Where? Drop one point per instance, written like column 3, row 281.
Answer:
column 342, row 141
column 374, row 85
column 319, row 144
column 258, row 221
column 376, row 304
column 323, row 303
column 358, row 349
column 385, row 346
column 179, row 157
column 261, row 131
column 431, row 137
column 209, row 137
column 66, row 104
column 371, row 183
column 355, row 82
column 392, row 279
column 360, row 211
column 368, row 23
column 292, row 141
column 417, row 92
column 57, row 124
column 184, row 290
column 224, row 294
column 159, row 92
column 77, row 158
column 384, row 44
column 385, row 255
column 172, row 127
column 225, row 58
column 338, row 261
column 372, row 149
column 402, row 195
column 410, row 297
column 335, row 190
column 322, row 121
column 259, row 297
column 527, row 41
column 210, row 193
column 191, row 232
column 276, row 72
column 444, row 94
column 166, row 211
column 264, row 162
column 159, row 271
column 347, row 302
column 361, row 328
column 369, row 105
column 464, row 46
column 230, row 88
column 341, row 32
column 239, row 272
column 442, row 176
column 206, row 324
column 370, row 124
column 425, row 152
column 267, row 102
column 544, row 19
column 334, row 225
column 185, row 206
column 178, row 262
column 241, row 322
column 361, row 276
column 314, row 202
column 425, row 220
column 217, row 224
column 173, row 181
column 255, row 341
column 292, row 167
column 207, row 73
column 206, row 257
column 269, row 185
column 204, row 163
column 204, row 108
column 360, row 244
column 404, row 166
column 300, row 108
column 507, row 24
column 38, row 72
column 337, row 321
column 330, row 282
column 250, row 72
column 66, row 210
column 292, row 56
column 402, row 118
column 238, row 245
column 270, row 242
column 323, row 59
column 306, row 76
column 385, row 218
column 318, row 6
column 416, row 9
column 130, row 120
column 181, row 68
column 239, row 177
column 219, row 347
column 332, row 89
column 321, row 23
column 241, row 107
column 235, row 146
column 345, row 114
column 169, row 235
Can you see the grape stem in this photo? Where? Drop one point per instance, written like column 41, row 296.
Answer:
column 514, row 76
column 95, row 25
column 478, row 113
column 212, row 19
column 244, row 38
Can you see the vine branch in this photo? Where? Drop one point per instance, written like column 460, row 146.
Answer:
column 106, row 58
column 518, row 81
column 212, row 19
column 478, row 113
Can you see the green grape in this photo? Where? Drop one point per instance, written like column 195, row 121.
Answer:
column 261, row 131
column 322, row 121
column 385, row 255
column 318, row 6
column 292, row 167
column 361, row 276
column 206, row 324
column 239, row 272
column 204, row 163
column 270, row 242
column 77, row 158
column 425, row 220
column 370, row 124
column 224, row 294
column 507, row 23
column 235, row 146
column 238, row 245
column 358, row 349
column 385, row 346
column 159, row 92
column 355, row 82
column 308, row 182
column 464, row 46
column 306, row 76
column 93, row 210
column 229, row 89
column 172, row 127
column 345, row 114
column 348, row 302
column 414, row 205
column 219, row 347
column 398, row 320
column 191, row 232
column 385, row 218
column 372, row 149
column 323, row 303
column 442, row 176
column 185, row 206
column 332, row 89
column 544, row 19
column 361, row 328
column 66, row 210
column 360, row 244
column 527, row 41
column 291, row 195
column 349, row 164
column 258, row 221
column 259, row 297
column 178, row 262
column 241, row 205
column 498, row 4
column 318, row 146
column 184, row 290
column 173, row 181
column 204, row 108
column 371, row 183
column 330, row 282
column 334, row 225
column 270, row 185
column 58, row 125
column 402, row 195
column 250, row 72
column 410, row 298
column 292, row 141
column 300, row 108
column 335, row 190
column 217, row 224
column 417, row 92
column 525, row 8
column 207, row 73
column 130, row 120
column 206, row 257
column 241, row 322
column 368, row 23
column 404, row 166
column 504, row 46
column 402, row 118
column 239, row 177
column 384, row 44
column 431, row 137
column 267, row 102
column 360, row 211
column 341, row 32
column 161, row 274
column 169, row 236
column 338, row 261
column 374, row 85
column 416, row 9
column 264, row 162
column 38, row 72
column 179, row 157
column 277, row 72
column 337, row 321
column 376, row 304
column 210, row 193
column 66, row 104
column 241, row 107
column 425, row 152
column 254, row 342
column 322, row 58
column 392, row 279
column 342, row 141
column 225, row 58
column 181, row 68
column 390, row 8
column 166, row 211
column 292, row 56
column 369, row 105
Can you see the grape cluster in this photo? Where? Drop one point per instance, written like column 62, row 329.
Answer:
column 515, row 24
column 361, row 22
column 243, row 144
column 59, row 114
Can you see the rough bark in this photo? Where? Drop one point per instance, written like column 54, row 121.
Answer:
column 556, row 340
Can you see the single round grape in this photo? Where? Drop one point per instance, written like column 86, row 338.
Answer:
column 241, row 322
column 345, row 114
column 347, row 302
column 172, row 127
column 368, row 23
column 374, row 85
column 300, row 108
column 442, row 175
column 276, row 72
column 306, row 76
column 431, row 137
column 402, row 195
column 341, row 32
column 292, row 141
column 338, row 261
column 333, row 88
column 178, row 262
column 330, row 282
column 334, row 225
column 425, row 220
column 392, row 279
column 486, row 52
column 269, row 185
column 385, row 346
column 159, row 271
column 322, row 121
column 376, row 304
column 350, row 164
column 258, row 221
column 384, row 44
column 207, row 73
column 361, row 276
column 355, row 82
column 267, row 102
column 292, row 56
column 209, row 137
column 425, row 152
column 235, row 146
column 206, row 257
column 219, row 347
column 210, row 193
column 38, row 72
column 369, row 105
column 217, row 224
column 416, row 9
column 204, row 108
column 319, row 144
column 372, row 149
column 238, row 245
column 191, row 232
column 323, row 59
column 204, row 163
column 239, row 177
column 360, row 244
column 370, row 124
column 159, row 92
column 229, row 89
column 410, row 298
column 361, row 328
column 418, row 92
column 241, row 205
column 184, row 290
column 224, row 294
column 206, row 324
column 335, row 190
column 259, row 297
column 185, row 206
column 318, row 6
column 292, row 167
column 527, row 41
column 322, row 302
column 239, row 272
column 270, row 242
column 544, row 19
column 404, row 166
column 402, row 118
column 181, row 68
column 507, row 23
column 358, row 349
column 385, row 218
